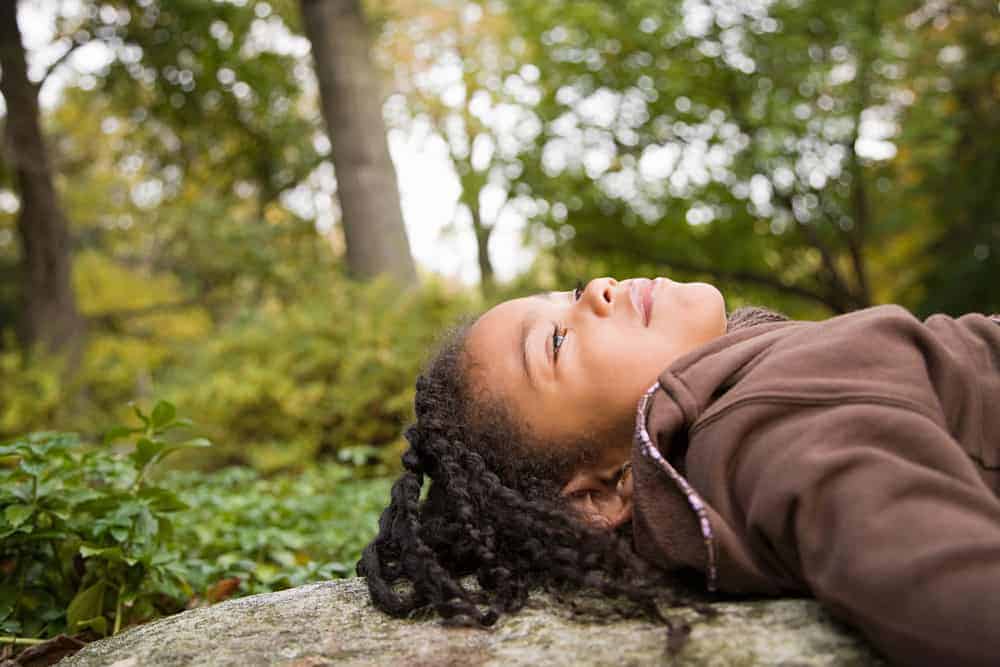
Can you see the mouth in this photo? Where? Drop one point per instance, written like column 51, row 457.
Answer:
column 641, row 295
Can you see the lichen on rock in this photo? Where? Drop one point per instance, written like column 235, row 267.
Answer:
column 334, row 623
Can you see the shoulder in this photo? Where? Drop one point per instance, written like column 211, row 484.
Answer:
column 865, row 336
column 877, row 337
column 875, row 355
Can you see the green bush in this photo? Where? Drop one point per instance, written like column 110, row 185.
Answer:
column 84, row 534
column 278, row 532
column 325, row 375
column 40, row 391
column 92, row 538
column 329, row 375
column 31, row 393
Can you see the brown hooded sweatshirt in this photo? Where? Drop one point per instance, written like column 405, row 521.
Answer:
column 855, row 459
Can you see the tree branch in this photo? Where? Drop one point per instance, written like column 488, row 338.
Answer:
column 859, row 196
column 836, row 281
column 59, row 61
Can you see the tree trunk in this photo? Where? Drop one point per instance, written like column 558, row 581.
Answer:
column 48, row 313
column 487, row 279
column 472, row 183
column 352, row 108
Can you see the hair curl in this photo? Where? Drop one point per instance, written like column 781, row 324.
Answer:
column 493, row 511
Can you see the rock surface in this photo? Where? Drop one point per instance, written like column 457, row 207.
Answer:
column 334, row 623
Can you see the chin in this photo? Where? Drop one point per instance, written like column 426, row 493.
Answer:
column 705, row 294
column 710, row 305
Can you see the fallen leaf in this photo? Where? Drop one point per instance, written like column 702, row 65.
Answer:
column 223, row 589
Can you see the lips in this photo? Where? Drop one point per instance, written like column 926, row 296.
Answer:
column 647, row 300
column 641, row 294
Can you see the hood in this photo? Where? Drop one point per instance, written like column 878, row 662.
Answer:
column 673, row 524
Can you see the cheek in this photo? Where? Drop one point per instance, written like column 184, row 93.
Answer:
column 630, row 371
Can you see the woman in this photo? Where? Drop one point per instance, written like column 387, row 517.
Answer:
column 855, row 459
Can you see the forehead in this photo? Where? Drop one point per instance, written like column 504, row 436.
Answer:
column 506, row 314
column 494, row 334
column 510, row 314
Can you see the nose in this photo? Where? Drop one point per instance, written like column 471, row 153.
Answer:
column 599, row 295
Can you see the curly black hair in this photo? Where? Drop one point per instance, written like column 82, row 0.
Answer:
column 493, row 512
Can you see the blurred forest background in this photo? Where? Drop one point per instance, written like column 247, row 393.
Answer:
column 197, row 201
column 174, row 221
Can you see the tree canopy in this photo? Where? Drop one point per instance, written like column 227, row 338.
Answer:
column 809, row 156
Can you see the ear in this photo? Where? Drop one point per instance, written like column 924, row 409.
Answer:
column 601, row 501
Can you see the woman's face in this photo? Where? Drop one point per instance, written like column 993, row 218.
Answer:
column 573, row 365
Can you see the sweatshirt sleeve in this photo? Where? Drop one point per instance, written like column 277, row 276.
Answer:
column 882, row 515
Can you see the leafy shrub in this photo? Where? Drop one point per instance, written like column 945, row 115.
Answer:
column 30, row 393
column 83, row 533
column 277, row 532
column 329, row 374
column 94, row 538
column 42, row 391
column 120, row 360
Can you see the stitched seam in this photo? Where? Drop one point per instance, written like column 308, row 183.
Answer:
column 693, row 499
column 981, row 463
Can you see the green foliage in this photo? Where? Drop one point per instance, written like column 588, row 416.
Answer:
column 329, row 375
column 31, row 390
column 89, row 541
column 82, row 533
column 814, row 156
column 947, row 170
column 277, row 532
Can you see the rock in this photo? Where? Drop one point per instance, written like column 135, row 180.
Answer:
column 334, row 623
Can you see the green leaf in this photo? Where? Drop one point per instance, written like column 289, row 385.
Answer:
column 98, row 624
column 86, row 606
column 146, row 450
column 98, row 505
column 8, row 595
column 117, row 433
column 139, row 413
column 182, row 422
column 11, row 449
column 22, row 492
column 162, row 500
column 33, row 468
column 146, row 525
column 37, row 536
column 46, row 445
column 18, row 514
column 11, row 627
column 107, row 553
column 163, row 413
column 195, row 443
